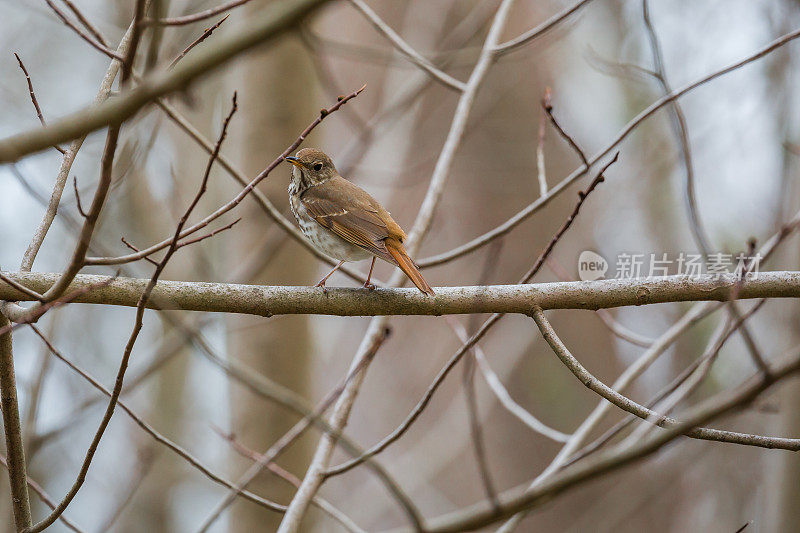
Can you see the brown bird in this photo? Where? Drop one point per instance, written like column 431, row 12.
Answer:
column 343, row 221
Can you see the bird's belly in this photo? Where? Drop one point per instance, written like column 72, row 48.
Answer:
column 325, row 240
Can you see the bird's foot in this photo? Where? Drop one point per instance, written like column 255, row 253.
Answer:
column 322, row 286
column 369, row 286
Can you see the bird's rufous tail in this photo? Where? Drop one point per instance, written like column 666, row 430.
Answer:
column 398, row 253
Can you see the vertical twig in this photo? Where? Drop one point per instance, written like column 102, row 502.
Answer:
column 541, row 174
column 17, row 470
column 468, row 378
column 69, row 158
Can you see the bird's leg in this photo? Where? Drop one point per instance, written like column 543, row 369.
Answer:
column 367, row 284
column 321, row 283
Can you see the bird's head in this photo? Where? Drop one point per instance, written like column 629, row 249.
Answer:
column 311, row 167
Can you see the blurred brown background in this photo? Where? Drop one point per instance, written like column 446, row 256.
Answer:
column 742, row 132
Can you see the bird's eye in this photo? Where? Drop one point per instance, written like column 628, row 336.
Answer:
column 317, row 166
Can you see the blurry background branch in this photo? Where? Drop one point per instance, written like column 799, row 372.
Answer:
column 278, row 18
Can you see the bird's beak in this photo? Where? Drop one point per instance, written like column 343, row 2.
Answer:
column 293, row 160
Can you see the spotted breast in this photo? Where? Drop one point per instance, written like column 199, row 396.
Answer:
column 325, row 240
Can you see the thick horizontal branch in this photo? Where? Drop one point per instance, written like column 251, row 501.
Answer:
column 282, row 300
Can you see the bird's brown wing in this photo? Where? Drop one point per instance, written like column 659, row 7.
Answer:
column 352, row 214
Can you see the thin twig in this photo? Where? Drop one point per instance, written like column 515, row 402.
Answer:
column 344, row 520
column 439, row 379
column 206, row 34
column 86, row 24
column 33, row 98
column 74, row 27
column 48, row 501
column 502, row 394
column 297, row 430
column 548, row 109
column 22, row 288
column 404, row 48
column 516, row 501
column 196, row 17
column 682, row 131
column 209, row 234
column 541, row 174
column 539, row 30
column 315, row 475
column 634, row 123
column 161, row 439
column 78, row 197
column 135, row 249
column 238, row 198
column 30, row 90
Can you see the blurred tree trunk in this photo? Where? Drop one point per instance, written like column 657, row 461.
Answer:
column 156, row 468
column 782, row 494
column 277, row 98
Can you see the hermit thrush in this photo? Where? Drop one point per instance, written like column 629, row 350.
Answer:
column 342, row 220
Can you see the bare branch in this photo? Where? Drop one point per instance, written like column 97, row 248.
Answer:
column 78, row 197
column 74, row 27
column 532, row 208
column 541, row 173
column 196, row 17
column 158, row 437
column 682, row 131
column 69, row 158
column 539, row 30
column 238, row 198
column 626, row 404
column 264, row 300
column 344, row 520
column 272, row 21
column 22, row 288
column 44, row 497
column 38, row 312
column 17, row 470
column 83, row 20
column 260, row 198
column 658, row 347
column 140, row 307
column 505, row 399
column 137, row 250
column 479, row 515
column 404, row 48
column 206, row 34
